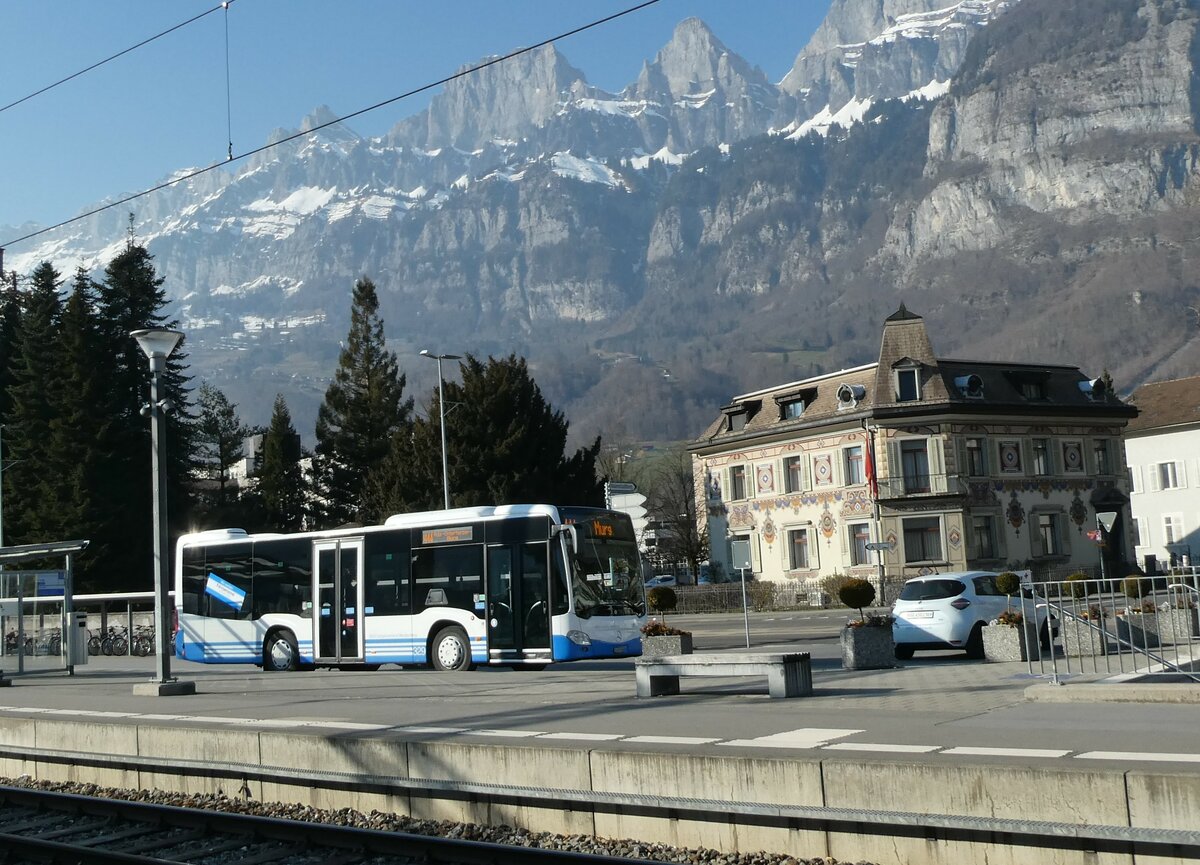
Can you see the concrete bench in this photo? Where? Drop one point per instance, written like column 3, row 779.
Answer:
column 788, row 675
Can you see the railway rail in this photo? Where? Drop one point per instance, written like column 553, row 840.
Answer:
column 43, row 826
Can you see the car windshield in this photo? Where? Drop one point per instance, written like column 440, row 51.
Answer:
column 931, row 590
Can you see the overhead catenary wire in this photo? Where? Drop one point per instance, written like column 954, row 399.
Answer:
column 409, row 93
column 99, row 63
column 228, row 113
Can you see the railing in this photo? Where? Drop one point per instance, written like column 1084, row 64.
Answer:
column 1094, row 628
column 904, row 485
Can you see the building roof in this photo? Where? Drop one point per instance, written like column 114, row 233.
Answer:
column 1166, row 404
column 850, row 395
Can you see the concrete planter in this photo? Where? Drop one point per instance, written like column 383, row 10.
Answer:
column 1010, row 643
column 1080, row 639
column 1172, row 626
column 1138, row 630
column 671, row 644
column 868, row 648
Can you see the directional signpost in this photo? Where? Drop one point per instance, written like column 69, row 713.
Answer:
column 626, row 499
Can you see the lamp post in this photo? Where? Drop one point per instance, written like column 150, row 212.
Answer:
column 158, row 345
column 442, row 418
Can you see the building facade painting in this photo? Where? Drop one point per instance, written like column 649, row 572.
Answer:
column 951, row 464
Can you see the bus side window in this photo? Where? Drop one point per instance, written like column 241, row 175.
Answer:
column 282, row 576
column 447, row 576
column 227, row 581
column 387, row 586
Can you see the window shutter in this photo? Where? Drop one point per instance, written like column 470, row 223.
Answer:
column 1135, row 479
column 937, row 465
column 805, row 471
column 814, row 560
column 1035, row 537
column 895, row 471
column 1155, row 479
column 1181, row 473
column 756, row 553
column 1061, row 523
column 999, row 534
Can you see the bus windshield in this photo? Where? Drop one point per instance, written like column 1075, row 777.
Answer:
column 607, row 580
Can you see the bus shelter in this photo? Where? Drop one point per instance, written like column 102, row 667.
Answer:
column 37, row 615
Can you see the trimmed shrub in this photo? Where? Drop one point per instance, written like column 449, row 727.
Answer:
column 1136, row 587
column 1008, row 583
column 662, row 599
column 856, row 594
column 1076, row 587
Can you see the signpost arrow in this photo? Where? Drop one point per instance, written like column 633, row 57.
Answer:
column 625, row 501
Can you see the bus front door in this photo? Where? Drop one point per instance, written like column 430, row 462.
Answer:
column 338, row 588
column 518, row 612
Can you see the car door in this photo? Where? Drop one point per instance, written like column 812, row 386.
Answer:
column 991, row 602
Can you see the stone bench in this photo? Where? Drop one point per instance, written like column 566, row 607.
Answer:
column 788, row 675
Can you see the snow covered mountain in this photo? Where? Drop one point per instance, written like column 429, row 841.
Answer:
column 521, row 211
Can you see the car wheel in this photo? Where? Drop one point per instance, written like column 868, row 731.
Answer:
column 974, row 645
column 451, row 650
column 280, row 653
column 904, row 653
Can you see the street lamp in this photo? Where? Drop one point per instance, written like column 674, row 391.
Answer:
column 158, row 346
column 442, row 413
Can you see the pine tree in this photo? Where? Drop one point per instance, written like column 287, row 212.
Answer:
column 10, row 323
column 36, row 370
column 220, row 443
column 280, row 481
column 505, row 445
column 77, row 430
column 363, row 409
column 131, row 298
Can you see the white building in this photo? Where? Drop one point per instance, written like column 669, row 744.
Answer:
column 1162, row 448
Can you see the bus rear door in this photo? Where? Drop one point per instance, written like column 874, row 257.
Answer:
column 338, row 590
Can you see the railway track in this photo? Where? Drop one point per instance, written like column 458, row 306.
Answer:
column 38, row 826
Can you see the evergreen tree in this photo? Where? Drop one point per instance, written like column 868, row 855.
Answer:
column 220, row 443
column 77, row 430
column 131, row 298
column 10, row 323
column 363, row 409
column 29, row 512
column 505, row 445
column 281, row 485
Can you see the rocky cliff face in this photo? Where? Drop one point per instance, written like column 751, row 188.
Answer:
column 1043, row 208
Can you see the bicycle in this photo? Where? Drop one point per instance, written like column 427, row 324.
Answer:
column 115, row 642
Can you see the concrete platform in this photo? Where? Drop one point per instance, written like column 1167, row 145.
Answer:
column 938, row 735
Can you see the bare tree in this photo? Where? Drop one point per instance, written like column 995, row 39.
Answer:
column 672, row 504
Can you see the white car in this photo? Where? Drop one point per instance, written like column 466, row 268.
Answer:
column 948, row 611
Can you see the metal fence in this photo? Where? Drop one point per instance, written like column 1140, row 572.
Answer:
column 1138, row 626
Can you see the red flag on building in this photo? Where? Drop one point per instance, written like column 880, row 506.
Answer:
column 870, row 466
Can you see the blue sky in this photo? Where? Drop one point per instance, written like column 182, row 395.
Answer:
column 128, row 124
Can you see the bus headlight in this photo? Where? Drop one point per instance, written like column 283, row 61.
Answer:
column 579, row 638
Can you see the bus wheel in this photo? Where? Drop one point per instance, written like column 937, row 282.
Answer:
column 451, row 650
column 280, row 653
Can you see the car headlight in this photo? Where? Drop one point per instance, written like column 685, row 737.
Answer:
column 579, row 638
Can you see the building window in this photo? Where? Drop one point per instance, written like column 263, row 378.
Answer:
column 923, row 539
column 1140, row 539
column 792, row 409
column 1172, row 528
column 854, row 466
column 798, row 549
column 976, row 458
column 1010, row 458
column 1101, row 457
column 1072, row 457
column 1033, row 390
column 983, row 536
column 1049, row 534
column 860, row 536
column 737, row 421
column 1041, row 457
column 914, row 463
column 1167, row 475
column 907, row 385
column 793, row 474
column 737, row 482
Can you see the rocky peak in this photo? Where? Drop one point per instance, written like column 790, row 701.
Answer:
column 694, row 62
column 505, row 101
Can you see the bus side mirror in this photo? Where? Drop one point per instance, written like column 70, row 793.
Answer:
column 571, row 534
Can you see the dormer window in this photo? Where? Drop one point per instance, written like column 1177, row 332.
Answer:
column 737, row 421
column 850, row 395
column 970, row 386
column 791, row 409
column 1033, row 390
column 908, row 385
column 738, row 414
column 794, row 401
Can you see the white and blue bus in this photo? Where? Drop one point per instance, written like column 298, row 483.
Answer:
column 517, row 585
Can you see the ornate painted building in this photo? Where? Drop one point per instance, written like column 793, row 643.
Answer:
column 917, row 464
